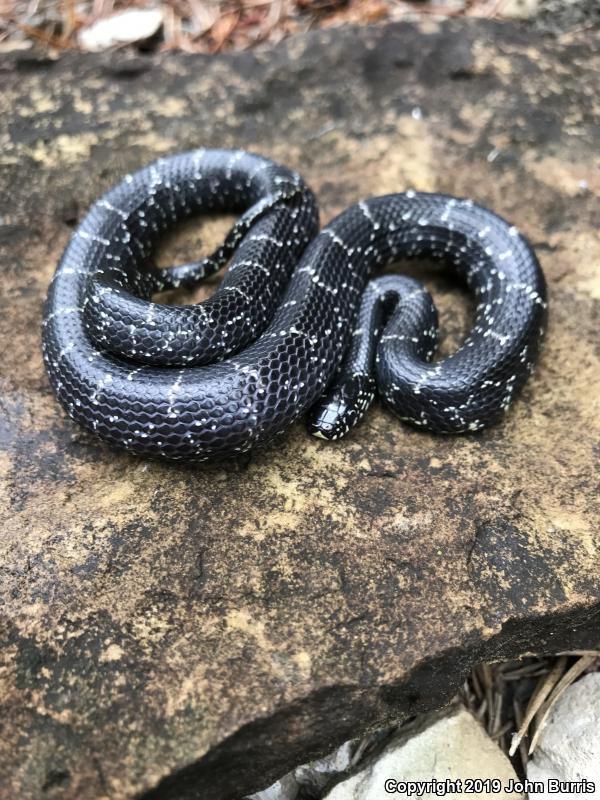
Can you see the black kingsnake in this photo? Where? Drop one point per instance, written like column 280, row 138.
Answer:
column 297, row 323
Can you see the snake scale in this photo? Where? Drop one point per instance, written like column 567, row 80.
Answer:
column 298, row 323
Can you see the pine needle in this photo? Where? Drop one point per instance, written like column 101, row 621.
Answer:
column 567, row 679
column 522, row 748
column 543, row 689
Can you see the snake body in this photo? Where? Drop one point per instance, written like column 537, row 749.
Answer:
column 298, row 323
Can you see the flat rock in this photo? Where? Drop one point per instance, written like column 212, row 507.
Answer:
column 285, row 789
column 449, row 750
column 174, row 633
column 568, row 749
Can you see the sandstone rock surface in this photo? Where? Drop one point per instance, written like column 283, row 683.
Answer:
column 173, row 633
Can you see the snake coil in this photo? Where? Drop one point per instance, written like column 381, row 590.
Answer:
column 297, row 323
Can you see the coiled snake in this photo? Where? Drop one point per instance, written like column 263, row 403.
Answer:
column 297, row 323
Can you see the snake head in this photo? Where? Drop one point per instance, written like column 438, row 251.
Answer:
column 342, row 406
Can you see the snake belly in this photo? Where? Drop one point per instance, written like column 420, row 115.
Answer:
column 297, row 325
